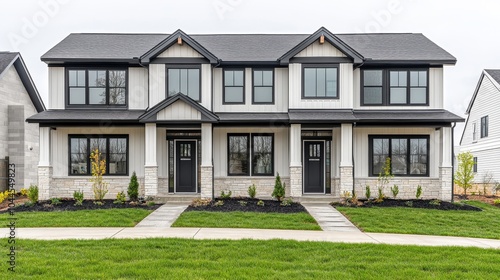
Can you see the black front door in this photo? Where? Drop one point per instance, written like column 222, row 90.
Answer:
column 314, row 165
column 185, row 168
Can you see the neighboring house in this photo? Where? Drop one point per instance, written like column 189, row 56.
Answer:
column 197, row 114
column 481, row 135
column 18, row 139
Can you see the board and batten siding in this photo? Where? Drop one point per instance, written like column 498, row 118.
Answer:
column 317, row 49
column 280, row 93
column 345, row 90
column 60, row 143
column 436, row 93
column 179, row 110
column 361, row 147
column 137, row 88
column 56, row 88
column 183, row 50
column 162, row 152
column 281, row 152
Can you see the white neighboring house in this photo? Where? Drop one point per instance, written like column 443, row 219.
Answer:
column 478, row 137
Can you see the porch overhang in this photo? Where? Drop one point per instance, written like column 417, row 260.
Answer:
column 102, row 117
column 304, row 116
column 438, row 117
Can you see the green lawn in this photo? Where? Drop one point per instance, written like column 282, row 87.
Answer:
column 239, row 219
column 125, row 217
column 485, row 224
column 245, row 259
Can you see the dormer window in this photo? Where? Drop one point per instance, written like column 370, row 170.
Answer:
column 97, row 87
column 185, row 80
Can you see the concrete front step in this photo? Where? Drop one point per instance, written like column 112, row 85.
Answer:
column 317, row 199
column 164, row 198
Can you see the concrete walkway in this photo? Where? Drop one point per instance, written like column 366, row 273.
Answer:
column 329, row 218
column 238, row 234
column 164, row 216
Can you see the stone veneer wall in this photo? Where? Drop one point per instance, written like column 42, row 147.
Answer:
column 445, row 177
column 296, row 181
column 431, row 187
column 206, row 182
column 239, row 186
column 151, row 180
column 345, row 184
column 44, row 182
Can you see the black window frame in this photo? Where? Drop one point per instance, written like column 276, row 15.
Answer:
column 484, row 126
column 183, row 66
column 408, row 153
column 87, row 87
column 103, row 136
column 224, row 86
column 474, row 167
column 325, row 65
column 250, row 156
column 254, row 86
column 386, row 86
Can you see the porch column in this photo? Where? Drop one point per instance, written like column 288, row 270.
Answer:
column 295, row 161
column 445, row 168
column 151, row 165
column 346, row 167
column 44, row 165
column 207, row 169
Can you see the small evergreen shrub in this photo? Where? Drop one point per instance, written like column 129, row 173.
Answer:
column 279, row 189
column 133, row 188
column 219, row 203
column 368, row 192
column 395, row 191
column 260, row 203
column 252, row 191
column 409, row 203
column 496, row 201
column 24, row 192
column 55, row 201
column 243, row 203
column 286, row 202
column 120, row 198
column 435, row 202
column 78, row 197
column 419, row 192
column 380, row 196
column 33, row 194
column 150, row 203
column 224, row 195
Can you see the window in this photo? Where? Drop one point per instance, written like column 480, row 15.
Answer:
column 320, row 81
column 234, row 90
column 113, row 148
column 474, row 131
column 484, row 126
column 474, row 168
column 409, row 155
column 97, row 87
column 394, row 87
column 263, row 86
column 184, row 80
column 260, row 146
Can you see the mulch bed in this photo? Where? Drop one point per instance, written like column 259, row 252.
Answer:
column 69, row 205
column 414, row 203
column 233, row 204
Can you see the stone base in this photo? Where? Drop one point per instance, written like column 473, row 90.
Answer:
column 445, row 178
column 346, row 181
column 295, row 181
column 206, row 181
column 65, row 187
column 239, row 186
column 44, row 182
column 150, row 181
column 431, row 187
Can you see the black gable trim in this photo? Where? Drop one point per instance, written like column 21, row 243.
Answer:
column 28, row 83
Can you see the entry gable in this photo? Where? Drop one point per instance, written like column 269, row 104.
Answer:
column 178, row 108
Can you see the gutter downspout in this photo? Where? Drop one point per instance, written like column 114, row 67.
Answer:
column 453, row 160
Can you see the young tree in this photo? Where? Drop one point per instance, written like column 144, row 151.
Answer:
column 465, row 172
column 133, row 188
column 98, row 169
column 279, row 189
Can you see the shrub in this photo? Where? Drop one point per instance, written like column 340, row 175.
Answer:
column 200, row 202
column 55, row 201
column 385, row 175
column 133, row 188
column 98, row 169
column 243, row 203
column 409, row 203
column 279, row 189
column 33, row 194
column 78, row 197
column 28, row 204
column 465, row 172
column 224, row 195
column 395, row 191
column 150, row 203
column 219, row 203
column 24, row 192
column 287, row 202
column 419, row 192
column 4, row 196
column 120, row 198
column 496, row 201
column 252, row 191
column 435, row 202
column 260, row 203
column 368, row 192
column 380, row 196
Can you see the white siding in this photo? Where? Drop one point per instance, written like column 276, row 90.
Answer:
column 281, row 152
column 206, row 86
column 56, row 88
column 156, row 83
column 180, row 51
column 179, row 111
column 60, row 142
column 317, row 49
column 361, row 143
column 345, row 90
column 137, row 88
column 162, row 152
column 280, row 93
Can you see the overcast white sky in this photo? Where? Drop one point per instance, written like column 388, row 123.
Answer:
column 466, row 29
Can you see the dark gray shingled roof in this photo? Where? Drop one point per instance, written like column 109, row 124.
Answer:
column 245, row 47
column 406, row 116
column 252, row 117
column 86, row 116
column 494, row 73
column 321, row 116
column 6, row 59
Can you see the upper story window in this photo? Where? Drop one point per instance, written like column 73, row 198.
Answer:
column 98, row 87
column 185, row 80
column 394, row 87
column 263, row 87
column 234, row 89
column 320, row 82
column 484, row 126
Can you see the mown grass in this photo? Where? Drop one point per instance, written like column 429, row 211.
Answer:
column 245, row 259
column 125, row 217
column 484, row 224
column 238, row 219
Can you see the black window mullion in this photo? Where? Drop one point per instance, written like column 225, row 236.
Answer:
column 107, row 89
column 107, row 155
column 408, row 154
column 89, row 164
column 87, row 90
column 408, row 87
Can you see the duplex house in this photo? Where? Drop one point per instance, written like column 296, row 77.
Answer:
column 479, row 137
column 18, row 139
column 193, row 115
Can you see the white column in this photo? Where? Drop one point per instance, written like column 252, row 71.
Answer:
column 446, row 146
column 206, row 160
column 445, row 169
column 346, row 167
column 151, row 165
column 295, row 161
column 44, row 165
column 44, row 146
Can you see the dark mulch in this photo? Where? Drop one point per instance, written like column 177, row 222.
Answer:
column 233, row 204
column 69, row 205
column 415, row 203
